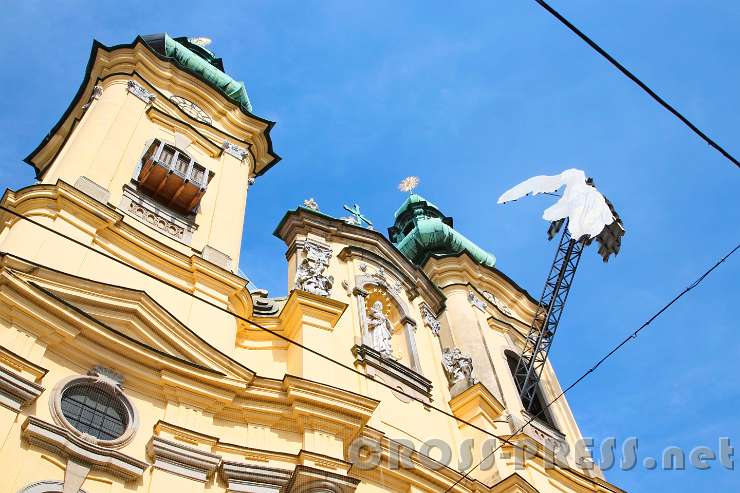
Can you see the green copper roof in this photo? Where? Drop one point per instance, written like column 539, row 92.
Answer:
column 202, row 64
column 413, row 199
column 422, row 230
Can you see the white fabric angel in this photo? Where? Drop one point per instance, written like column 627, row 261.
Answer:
column 581, row 203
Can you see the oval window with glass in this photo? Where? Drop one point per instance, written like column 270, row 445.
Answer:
column 94, row 408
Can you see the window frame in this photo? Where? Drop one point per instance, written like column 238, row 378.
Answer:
column 104, row 385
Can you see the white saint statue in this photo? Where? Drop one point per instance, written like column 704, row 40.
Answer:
column 380, row 329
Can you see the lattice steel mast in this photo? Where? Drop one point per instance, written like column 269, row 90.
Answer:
column 591, row 210
column 545, row 323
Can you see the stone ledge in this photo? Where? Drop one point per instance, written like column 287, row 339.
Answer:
column 407, row 380
column 16, row 391
column 182, row 460
column 63, row 442
column 249, row 478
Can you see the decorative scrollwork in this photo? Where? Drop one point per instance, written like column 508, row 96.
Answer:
column 310, row 274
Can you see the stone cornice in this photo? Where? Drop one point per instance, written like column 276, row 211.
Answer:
column 349, row 403
column 16, row 391
column 27, row 369
column 61, row 321
column 476, row 401
column 113, row 236
column 308, row 479
column 62, row 442
column 303, row 221
column 70, row 332
column 462, row 269
column 242, row 477
column 183, row 460
column 307, row 308
column 136, row 61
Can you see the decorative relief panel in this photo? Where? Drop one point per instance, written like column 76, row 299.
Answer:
column 498, row 303
column 140, row 92
column 234, row 150
column 191, row 109
column 430, row 320
column 150, row 213
column 476, row 302
column 310, row 275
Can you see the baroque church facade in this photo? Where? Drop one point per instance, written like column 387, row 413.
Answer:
column 134, row 356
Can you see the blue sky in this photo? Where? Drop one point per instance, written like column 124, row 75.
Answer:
column 474, row 97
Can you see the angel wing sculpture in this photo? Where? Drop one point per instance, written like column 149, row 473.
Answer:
column 581, row 203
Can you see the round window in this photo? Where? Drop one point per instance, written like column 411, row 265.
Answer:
column 94, row 410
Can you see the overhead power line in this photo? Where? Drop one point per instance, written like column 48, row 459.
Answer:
column 608, row 355
column 637, row 81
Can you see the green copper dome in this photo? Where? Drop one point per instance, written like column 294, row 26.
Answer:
column 421, row 230
column 202, row 63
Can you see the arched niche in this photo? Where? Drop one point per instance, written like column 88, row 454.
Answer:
column 371, row 289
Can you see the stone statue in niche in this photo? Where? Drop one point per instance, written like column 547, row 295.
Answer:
column 310, row 274
column 380, row 329
column 458, row 367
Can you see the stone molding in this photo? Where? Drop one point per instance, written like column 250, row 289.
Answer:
column 400, row 376
column 248, row 478
column 217, row 257
column 153, row 215
column 189, row 462
column 62, row 442
column 311, row 480
column 89, row 187
column 16, row 391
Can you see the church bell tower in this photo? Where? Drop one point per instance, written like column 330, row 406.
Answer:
column 159, row 131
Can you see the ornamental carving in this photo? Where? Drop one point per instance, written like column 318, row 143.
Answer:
column 457, row 366
column 476, row 302
column 140, row 92
column 156, row 220
column 430, row 320
column 107, row 376
column 498, row 303
column 191, row 109
column 237, row 151
column 310, row 274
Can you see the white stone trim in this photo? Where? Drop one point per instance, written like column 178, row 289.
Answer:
column 46, row 486
column 182, row 460
column 62, row 442
column 248, row 478
column 140, row 92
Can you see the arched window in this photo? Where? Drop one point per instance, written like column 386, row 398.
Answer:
column 172, row 177
column 47, row 486
column 539, row 402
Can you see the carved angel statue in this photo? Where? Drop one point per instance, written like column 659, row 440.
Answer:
column 457, row 366
column 380, row 329
column 582, row 204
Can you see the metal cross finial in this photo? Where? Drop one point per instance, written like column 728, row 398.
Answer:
column 359, row 218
